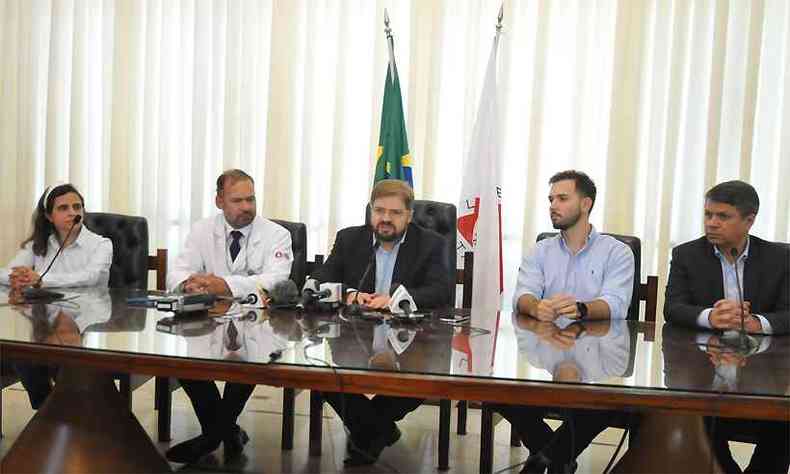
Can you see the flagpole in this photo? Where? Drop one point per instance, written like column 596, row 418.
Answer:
column 499, row 20
column 390, row 44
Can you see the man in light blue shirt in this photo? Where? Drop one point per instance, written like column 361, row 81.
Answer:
column 582, row 275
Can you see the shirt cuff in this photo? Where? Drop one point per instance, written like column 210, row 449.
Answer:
column 764, row 324
column 702, row 340
column 702, row 319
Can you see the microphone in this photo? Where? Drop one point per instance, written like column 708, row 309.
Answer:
column 330, row 293
column 401, row 301
column 745, row 342
column 734, row 253
column 35, row 292
column 250, row 299
column 353, row 308
column 309, row 289
column 284, row 294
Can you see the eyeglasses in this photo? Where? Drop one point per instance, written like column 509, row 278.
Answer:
column 394, row 213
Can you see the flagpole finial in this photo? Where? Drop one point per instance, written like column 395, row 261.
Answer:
column 500, row 16
column 387, row 28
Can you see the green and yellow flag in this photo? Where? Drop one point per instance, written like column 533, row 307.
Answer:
column 393, row 160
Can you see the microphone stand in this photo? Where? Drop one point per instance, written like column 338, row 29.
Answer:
column 743, row 343
column 35, row 293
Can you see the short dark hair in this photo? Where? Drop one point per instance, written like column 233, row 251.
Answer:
column 232, row 175
column 584, row 185
column 738, row 194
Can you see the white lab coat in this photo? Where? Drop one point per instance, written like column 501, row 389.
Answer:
column 264, row 259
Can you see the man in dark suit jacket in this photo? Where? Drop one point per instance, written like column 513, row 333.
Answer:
column 706, row 280
column 370, row 260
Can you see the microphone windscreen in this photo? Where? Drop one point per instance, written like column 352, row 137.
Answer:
column 77, row 219
column 284, row 292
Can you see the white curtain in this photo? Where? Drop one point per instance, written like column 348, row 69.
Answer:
column 142, row 103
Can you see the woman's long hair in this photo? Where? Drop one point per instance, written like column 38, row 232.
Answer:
column 42, row 227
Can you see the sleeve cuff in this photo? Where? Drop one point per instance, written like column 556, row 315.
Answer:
column 702, row 319
column 764, row 324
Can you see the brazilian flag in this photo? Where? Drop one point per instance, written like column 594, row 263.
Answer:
column 393, row 160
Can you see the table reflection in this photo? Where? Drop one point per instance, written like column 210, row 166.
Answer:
column 571, row 351
column 390, row 345
column 697, row 360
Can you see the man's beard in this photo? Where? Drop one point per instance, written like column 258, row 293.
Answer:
column 393, row 237
column 242, row 220
column 568, row 222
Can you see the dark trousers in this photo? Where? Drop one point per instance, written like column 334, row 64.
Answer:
column 217, row 414
column 367, row 417
column 577, row 431
column 37, row 380
column 772, row 439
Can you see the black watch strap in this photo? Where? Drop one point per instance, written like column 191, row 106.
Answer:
column 583, row 310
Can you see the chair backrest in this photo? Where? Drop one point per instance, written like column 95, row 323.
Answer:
column 299, row 248
column 439, row 217
column 636, row 247
column 129, row 236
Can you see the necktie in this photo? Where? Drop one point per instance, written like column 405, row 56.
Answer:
column 235, row 246
column 232, row 335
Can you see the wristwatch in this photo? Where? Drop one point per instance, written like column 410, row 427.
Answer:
column 582, row 309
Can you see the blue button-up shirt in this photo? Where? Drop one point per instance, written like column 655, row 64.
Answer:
column 602, row 270
column 385, row 266
column 731, row 290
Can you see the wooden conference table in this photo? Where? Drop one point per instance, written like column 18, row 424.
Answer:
column 631, row 366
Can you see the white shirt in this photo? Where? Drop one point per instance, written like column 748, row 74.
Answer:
column 264, row 259
column 84, row 262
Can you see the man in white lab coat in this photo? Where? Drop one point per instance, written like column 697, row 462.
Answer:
column 234, row 253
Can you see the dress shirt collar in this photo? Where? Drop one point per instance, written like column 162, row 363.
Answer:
column 79, row 241
column 591, row 236
column 245, row 231
column 743, row 256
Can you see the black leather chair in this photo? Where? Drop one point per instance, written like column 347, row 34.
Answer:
column 129, row 269
column 299, row 248
column 298, row 273
column 129, row 235
column 441, row 218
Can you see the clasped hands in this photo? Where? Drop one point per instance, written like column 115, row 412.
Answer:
column 719, row 357
column 549, row 309
column 22, row 277
column 370, row 300
column 726, row 314
column 206, row 283
column 559, row 338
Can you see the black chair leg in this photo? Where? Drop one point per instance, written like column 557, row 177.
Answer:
column 444, row 434
column 163, row 402
column 486, row 440
column 316, row 422
column 463, row 407
column 289, row 405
